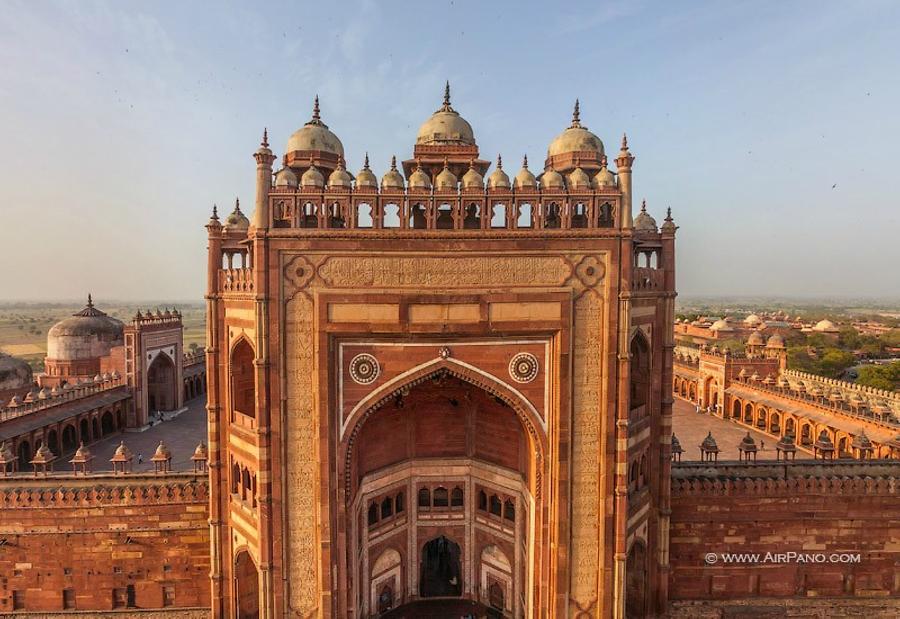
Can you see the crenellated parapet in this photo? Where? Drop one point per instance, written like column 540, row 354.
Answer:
column 102, row 489
column 800, row 478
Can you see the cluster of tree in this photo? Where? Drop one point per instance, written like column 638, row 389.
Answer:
column 880, row 376
column 829, row 361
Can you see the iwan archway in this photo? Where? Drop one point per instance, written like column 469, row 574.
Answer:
column 443, row 473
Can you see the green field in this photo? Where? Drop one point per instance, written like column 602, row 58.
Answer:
column 24, row 326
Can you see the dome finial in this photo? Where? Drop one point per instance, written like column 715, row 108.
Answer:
column 215, row 214
column 576, row 115
column 446, row 163
column 315, row 116
column 525, row 162
column 669, row 213
column 643, row 206
column 624, row 142
column 265, row 140
column 366, row 162
column 499, row 162
column 393, row 162
column 447, row 94
column 237, row 204
column 90, row 301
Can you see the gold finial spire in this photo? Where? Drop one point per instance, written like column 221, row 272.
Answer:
column 525, row 162
column 446, row 163
column 499, row 162
column 265, row 140
column 576, row 115
column 393, row 162
column 366, row 162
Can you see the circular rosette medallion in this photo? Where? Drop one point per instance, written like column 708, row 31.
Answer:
column 523, row 367
column 364, row 369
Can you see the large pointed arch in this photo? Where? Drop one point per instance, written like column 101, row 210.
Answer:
column 524, row 410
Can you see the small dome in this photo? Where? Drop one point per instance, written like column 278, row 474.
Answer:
column 419, row 180
column 340, row 177
column 755, row 339
column 365, row 177
column 747, row 444
column 446, row 126
column 15, row 373
column 472, row 179
column 236, row 220
column 709, row 444
column 445, row 179
column 719, row 325
column 315, row 135
column 525, row 179
column 578, row 179
column 775, row 341
column 285, row 177
column 551, row 179
column 576, row 139
column 312, row 178
column 825, row 326
column 498, row 178
column 392, row 178
column 200, row 453
column 88, row 334
column 603, row 178
column 644, row 221
column 752, row 320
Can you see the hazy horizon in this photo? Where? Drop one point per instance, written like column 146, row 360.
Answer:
column 770, row 129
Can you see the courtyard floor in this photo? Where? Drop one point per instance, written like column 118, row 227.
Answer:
column 691, row 428
column 181, row 435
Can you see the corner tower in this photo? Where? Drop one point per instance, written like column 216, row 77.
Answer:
column 439, row 394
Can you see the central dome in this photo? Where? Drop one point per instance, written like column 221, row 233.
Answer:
column 575, row 139
column 446, row 126
column 315, row 135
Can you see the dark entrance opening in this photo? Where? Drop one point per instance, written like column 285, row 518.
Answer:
column 69, row 439
column 440, row 570
column 161, row 387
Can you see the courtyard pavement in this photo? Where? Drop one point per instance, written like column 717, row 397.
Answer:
column 691, row 428
column 181, row 435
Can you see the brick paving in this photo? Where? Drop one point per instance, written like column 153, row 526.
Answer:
column 181, row 435
column 691, row 428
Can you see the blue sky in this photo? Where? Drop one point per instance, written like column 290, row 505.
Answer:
column 770, row 128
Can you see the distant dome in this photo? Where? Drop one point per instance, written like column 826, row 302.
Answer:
column 755, row 339
column 644, row 221
column 315, row 135
column 775, row 341
column 498, row 178
column 825, row 326
column 15, row 373
column 392, row 178
column 89, row 334
column 721, row 325
column 446, row 126
column 236, row 220
column 524, row 178
column 752, row 320
column 575, row 139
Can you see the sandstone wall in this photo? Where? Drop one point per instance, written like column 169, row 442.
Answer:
column 826, row 512
column 102, row 542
